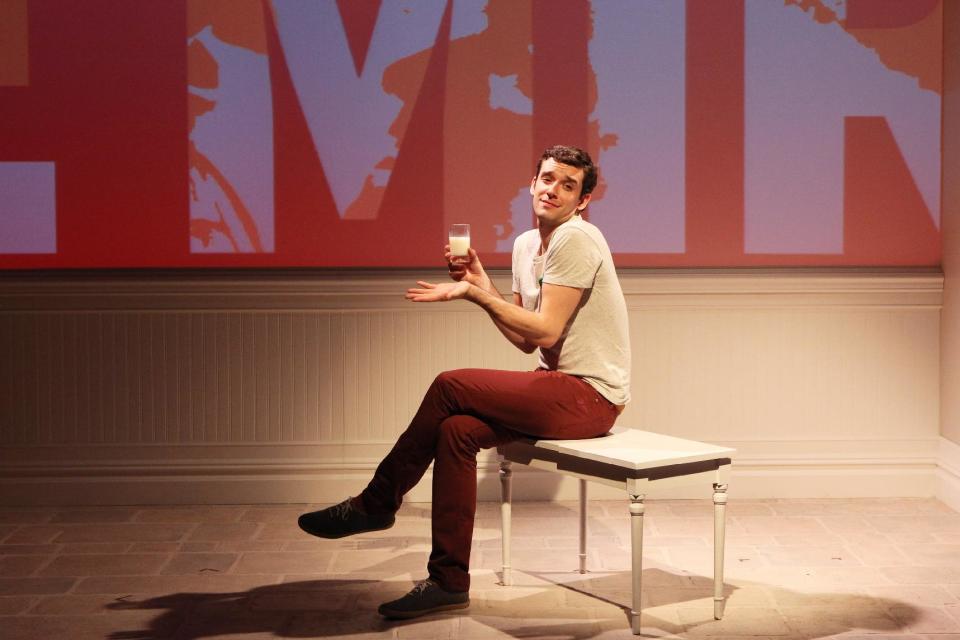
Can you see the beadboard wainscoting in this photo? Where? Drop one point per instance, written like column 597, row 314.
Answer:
column 247, row 387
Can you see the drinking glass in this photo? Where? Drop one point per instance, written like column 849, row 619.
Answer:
column 459, row 239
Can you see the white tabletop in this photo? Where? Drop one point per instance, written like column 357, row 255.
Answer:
column 635, row 449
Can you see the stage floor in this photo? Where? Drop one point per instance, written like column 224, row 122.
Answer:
column 794, row 569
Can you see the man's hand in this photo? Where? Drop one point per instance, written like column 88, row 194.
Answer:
column 467, row 268
column 428, row 292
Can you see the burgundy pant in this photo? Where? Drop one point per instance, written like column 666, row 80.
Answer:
column 462, row 412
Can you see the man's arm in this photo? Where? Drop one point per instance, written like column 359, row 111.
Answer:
column 472, row 271
column 541, row 328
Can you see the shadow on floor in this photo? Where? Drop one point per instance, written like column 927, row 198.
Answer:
column 344, row 607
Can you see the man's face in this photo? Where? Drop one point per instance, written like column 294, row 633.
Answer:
column 556, row 193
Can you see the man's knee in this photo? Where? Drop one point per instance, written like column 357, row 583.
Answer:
column 457, row 433
column 453, row 380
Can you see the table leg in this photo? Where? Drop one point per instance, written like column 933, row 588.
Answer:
column 583, row 526
column 719, row 504
column 506, row 475
column 636, row 551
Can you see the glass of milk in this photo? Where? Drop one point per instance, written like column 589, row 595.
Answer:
column 459, row 239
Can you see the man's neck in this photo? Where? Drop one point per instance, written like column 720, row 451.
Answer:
column 547, row 232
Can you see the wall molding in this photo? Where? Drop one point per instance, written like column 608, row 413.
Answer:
column 383, row 290
column 238, row 474
column 290, row 386
column 948, row 473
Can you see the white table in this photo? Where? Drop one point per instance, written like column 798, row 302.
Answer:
column 636, row 461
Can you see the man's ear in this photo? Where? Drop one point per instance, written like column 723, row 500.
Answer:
column 584, row 201
column 533, row 182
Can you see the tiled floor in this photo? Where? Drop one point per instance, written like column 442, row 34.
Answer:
column 795, row 569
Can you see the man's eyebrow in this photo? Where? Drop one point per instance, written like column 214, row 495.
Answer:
column 565, row 178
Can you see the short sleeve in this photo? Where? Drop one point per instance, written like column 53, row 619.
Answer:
column 514, row 263
column 572, row 260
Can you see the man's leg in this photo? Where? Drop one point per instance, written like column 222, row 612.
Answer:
column 455, row 496
column 540, row 404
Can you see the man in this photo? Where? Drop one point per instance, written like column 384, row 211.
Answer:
column 567, row 301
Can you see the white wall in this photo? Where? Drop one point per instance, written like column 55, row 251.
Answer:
column 290, row 387
column 950, row 232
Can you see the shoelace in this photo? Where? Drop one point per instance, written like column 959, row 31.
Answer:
column 421, row 586
column 342, row 510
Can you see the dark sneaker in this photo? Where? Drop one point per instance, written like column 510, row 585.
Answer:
column 341, row 520
column 426, row 597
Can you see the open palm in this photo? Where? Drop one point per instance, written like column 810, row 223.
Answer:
column 429, row 292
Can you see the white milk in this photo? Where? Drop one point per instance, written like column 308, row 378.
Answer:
column 459, row 245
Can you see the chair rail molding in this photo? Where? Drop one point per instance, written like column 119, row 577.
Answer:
column 289, row 386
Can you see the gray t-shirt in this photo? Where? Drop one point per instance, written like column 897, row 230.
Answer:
column 595, row 345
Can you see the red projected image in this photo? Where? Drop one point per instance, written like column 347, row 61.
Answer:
column 281, row 133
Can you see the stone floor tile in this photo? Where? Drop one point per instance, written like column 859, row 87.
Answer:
column 700, row 560
column 285, row 530
column 123, row 533
column 927, row 524
column 620, row 559
column 283, row 562
column 435, row 627
column 747, row 540
column 33, row 534
column 201, row 547
column 921, row 619
column 24, row 516
column 28, row 549
column 34, row 586
column 105, row 564
column 702, row 526
column 785, row 597
column 547, row 625
column 284, row 595
column 192, row 563
column 156, row 547
column 845, row 524
column 241, row 546
column 322, row 624
column 89, row 627
column 274, row 514
column 737, row 621
column 224, row 532
column 188, row 514
column 693, row 508
column 878, row 554
column 916, row 536
column 918, row 594
column 922, row 575
column 804, row 526
column 345, row 561
column 809, row 556
column 72, row 604
column 494, row 543
column 802, row 507
column 824, row 540
column 226, row 617
column 13, row 605
column 899, row 506
column 96, row 547
column 621, row 508
column 157, row 586
column 17, row 566
column 822, row 620
column 85, row 516
column 933, row 555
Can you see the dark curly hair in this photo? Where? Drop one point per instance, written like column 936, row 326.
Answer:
column 575, row 158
